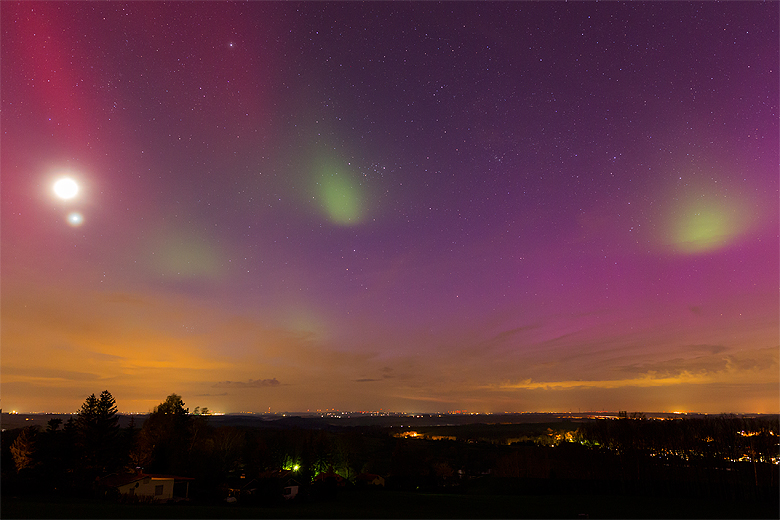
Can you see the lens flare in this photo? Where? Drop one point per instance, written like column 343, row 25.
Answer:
column 75, row 219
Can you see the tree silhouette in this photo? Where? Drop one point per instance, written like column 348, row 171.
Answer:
column 97, row 432
column 164, row 440
column 53, row 425
column 51, row 451
column 173, row 405
column 23, row 449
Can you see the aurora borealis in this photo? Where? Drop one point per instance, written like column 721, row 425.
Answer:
column 510, row 206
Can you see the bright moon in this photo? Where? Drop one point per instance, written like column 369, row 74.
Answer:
column 66, row 188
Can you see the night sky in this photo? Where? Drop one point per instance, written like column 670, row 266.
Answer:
column 416, row 207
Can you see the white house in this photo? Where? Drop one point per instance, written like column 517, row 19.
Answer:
column 157, row 487
column 290, row 490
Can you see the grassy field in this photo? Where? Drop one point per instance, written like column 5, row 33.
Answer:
column 391, row 504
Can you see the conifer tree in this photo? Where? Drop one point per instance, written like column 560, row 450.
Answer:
column 97, row 427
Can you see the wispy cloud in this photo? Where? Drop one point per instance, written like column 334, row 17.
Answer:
column 756, row 367
column 423, row 398
column 252, row 383
column 645, row 381
column 715, row 361
column 38, row 374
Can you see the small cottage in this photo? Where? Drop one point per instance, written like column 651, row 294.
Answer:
column 370, row 479
column 290, row 489
column 154, row 486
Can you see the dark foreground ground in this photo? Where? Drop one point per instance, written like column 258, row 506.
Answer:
column 396, row 504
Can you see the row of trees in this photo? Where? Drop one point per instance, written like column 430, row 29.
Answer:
column 171, row 440
column 89, row 444
column 92, row 444
column 174, row 441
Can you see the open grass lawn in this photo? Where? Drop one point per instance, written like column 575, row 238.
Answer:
column 392, row 504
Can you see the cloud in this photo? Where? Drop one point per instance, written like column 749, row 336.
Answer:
column 423, row 398
column 712, row 349
column 648, row 380
column 252, row 383
column 754, row 367
column 716, row 362
column 101, row 356
column 123, row 298
column 504, row 338
column 387, row 373
column 42, row 374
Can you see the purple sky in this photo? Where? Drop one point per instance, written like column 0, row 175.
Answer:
column 512, row 206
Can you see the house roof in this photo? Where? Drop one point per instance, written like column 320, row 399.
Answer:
column 251, row 484
column 368, row 476
column 277, row 473
column 328, row 474
column 117, row 480
column 121, row 480
column 174, row 477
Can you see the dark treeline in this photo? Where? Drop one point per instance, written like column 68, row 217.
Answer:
column 720, row 456
column 717, row 438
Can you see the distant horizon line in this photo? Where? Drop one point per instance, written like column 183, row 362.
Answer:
column 335, row 412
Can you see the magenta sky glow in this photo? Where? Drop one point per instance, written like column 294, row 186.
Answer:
column 409, row 206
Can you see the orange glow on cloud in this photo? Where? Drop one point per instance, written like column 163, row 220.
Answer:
column 62, row 344
column 652, row 380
